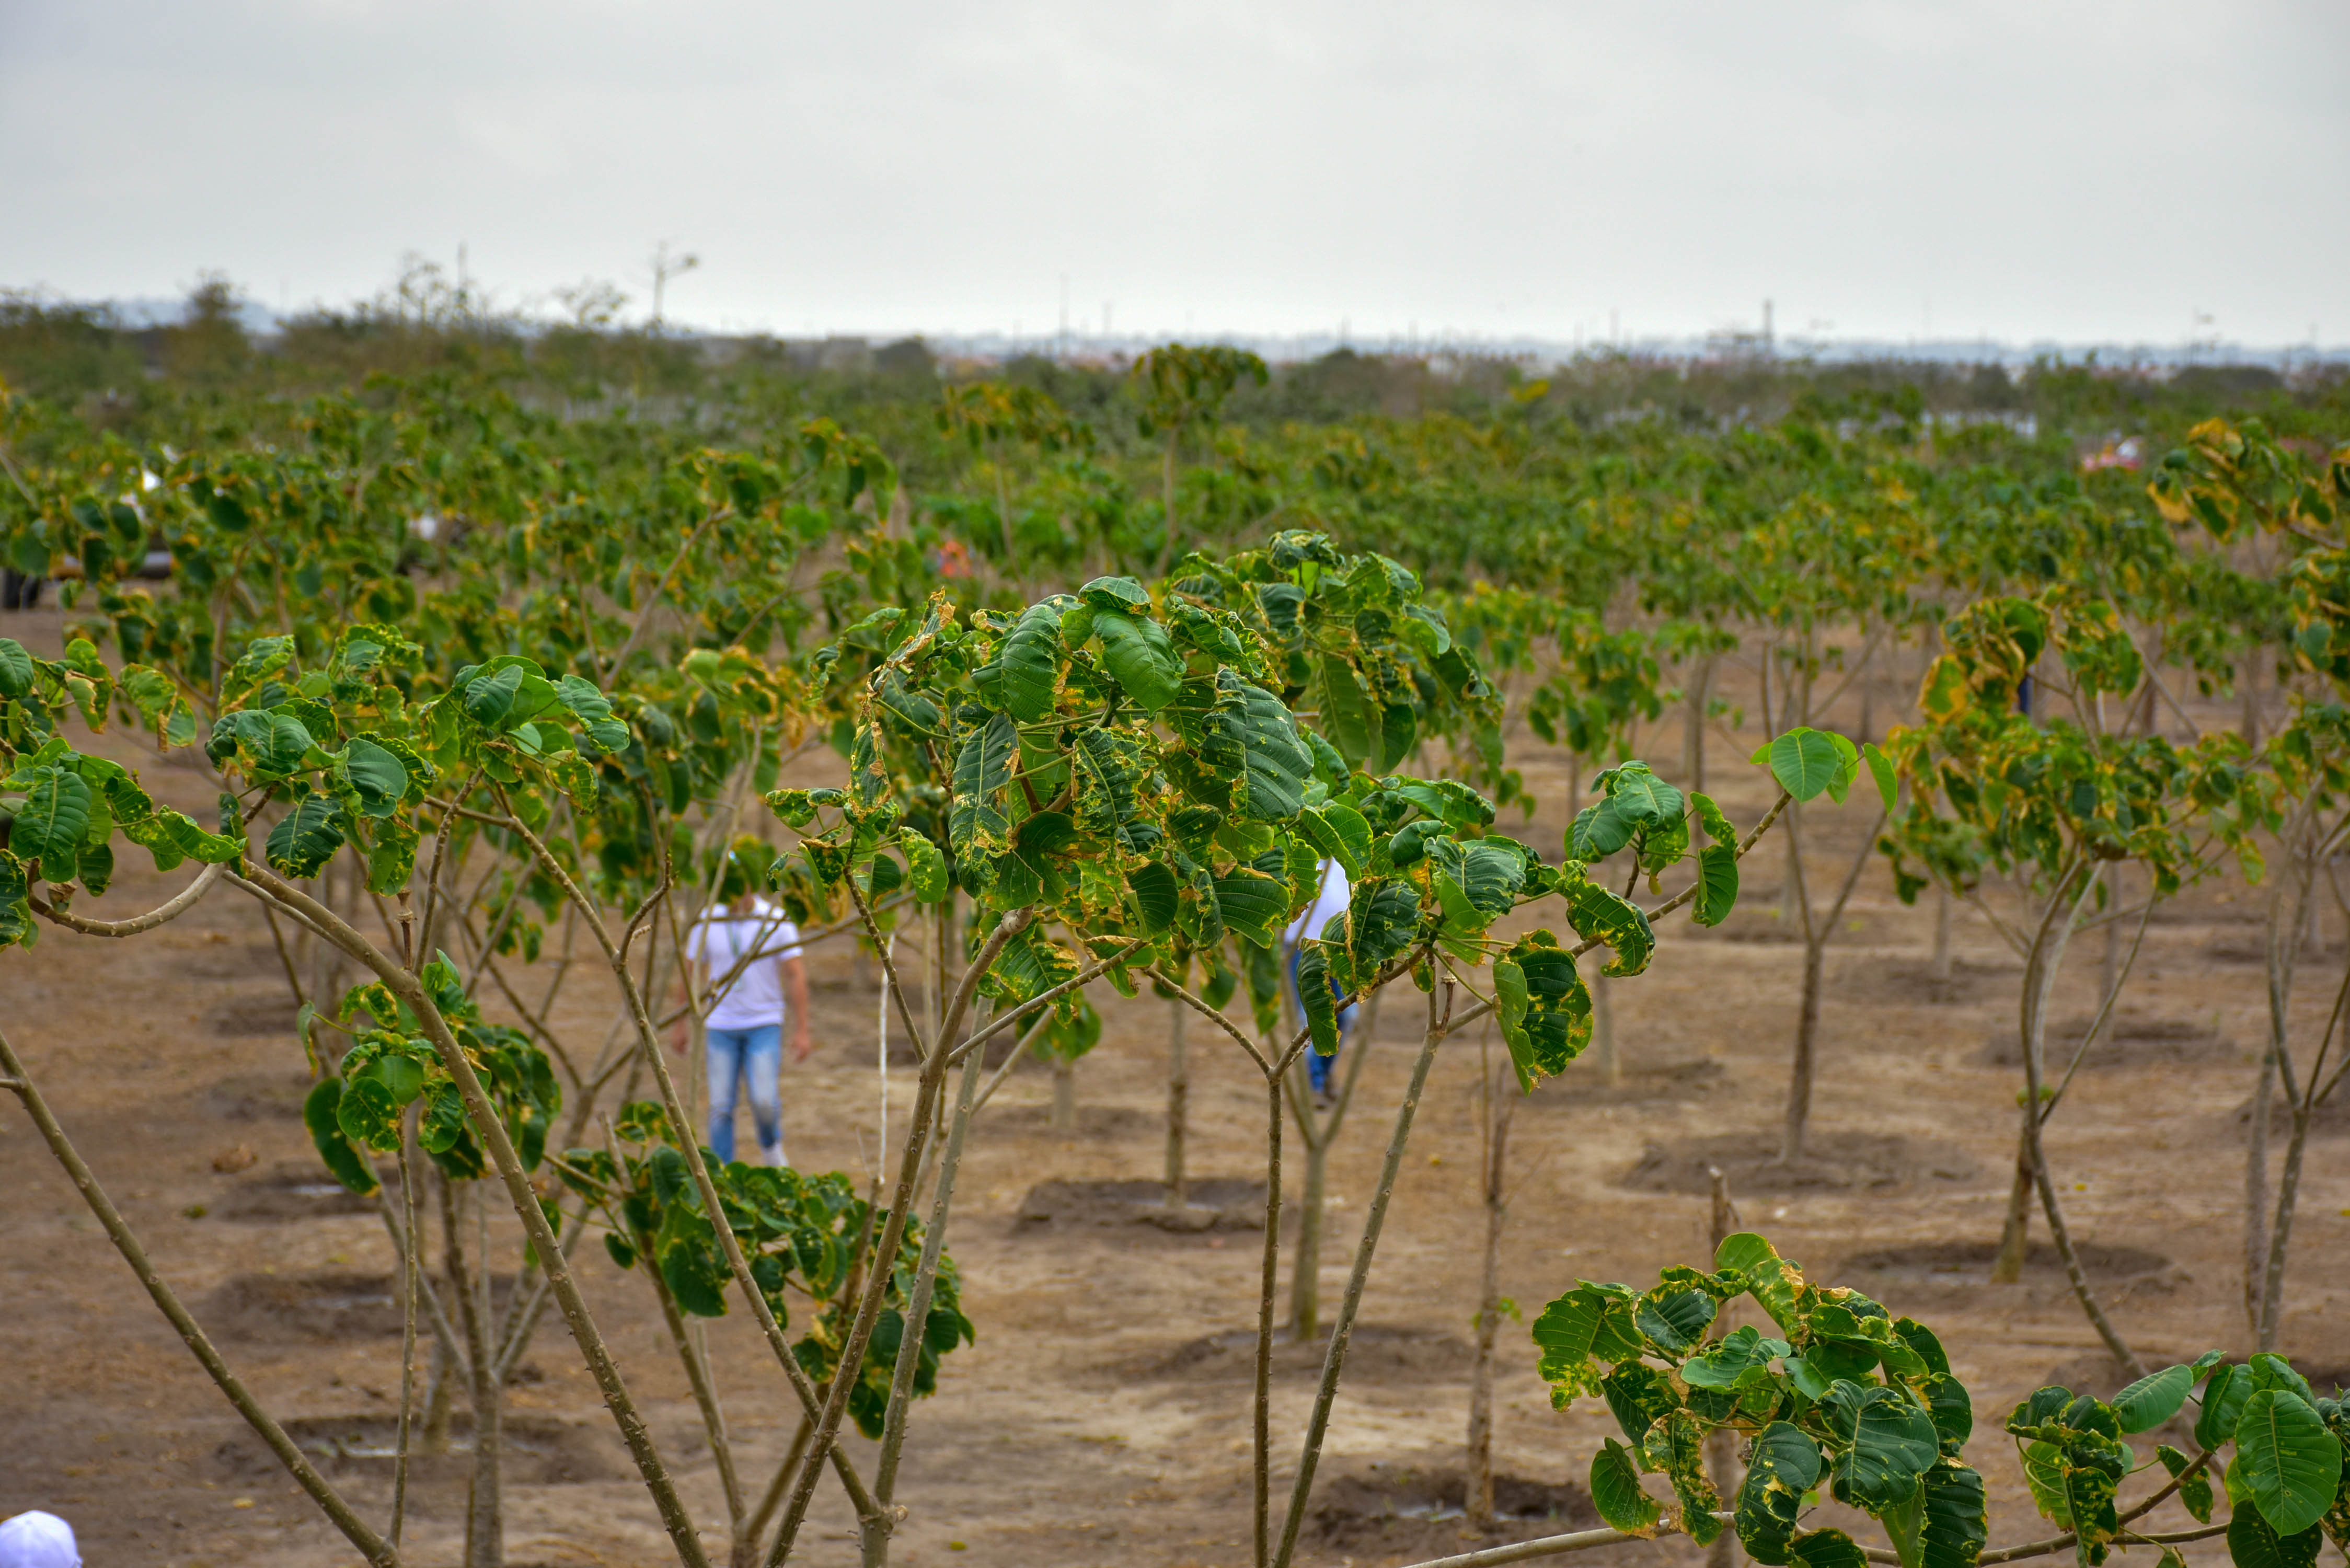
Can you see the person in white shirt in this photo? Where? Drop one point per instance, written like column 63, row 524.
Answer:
column 1329, row 903
column 750, row 954
column 37, row 1540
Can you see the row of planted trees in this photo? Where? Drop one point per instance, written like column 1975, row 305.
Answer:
column 552, row 711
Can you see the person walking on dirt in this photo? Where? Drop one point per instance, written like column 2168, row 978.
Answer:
column 746, row 960
column 1329, row 903
column 37, row 1540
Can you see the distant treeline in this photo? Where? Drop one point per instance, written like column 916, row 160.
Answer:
column 138, row 378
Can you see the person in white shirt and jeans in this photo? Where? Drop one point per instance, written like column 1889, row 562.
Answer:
column 750, row 953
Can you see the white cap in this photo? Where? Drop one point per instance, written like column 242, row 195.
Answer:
column 37, row 1540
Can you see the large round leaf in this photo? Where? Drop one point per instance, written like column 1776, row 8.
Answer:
column 2291, row 1460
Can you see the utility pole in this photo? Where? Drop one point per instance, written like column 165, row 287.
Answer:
column 1767, row 349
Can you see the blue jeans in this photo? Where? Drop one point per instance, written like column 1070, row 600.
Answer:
column 1317, row 1065
column 755, row 1055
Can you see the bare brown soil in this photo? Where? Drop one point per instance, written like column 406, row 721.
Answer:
column 1100, row 1418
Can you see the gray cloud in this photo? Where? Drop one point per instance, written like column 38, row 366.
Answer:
column 1943, row 167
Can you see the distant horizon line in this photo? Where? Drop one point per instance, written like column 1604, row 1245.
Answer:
column 1300, row 347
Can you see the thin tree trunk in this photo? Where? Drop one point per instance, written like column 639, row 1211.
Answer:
column 1807, row 1034
column 1941, row 960
column 1701, row 707
column 2015, row 1228
column 1333, row 1359
column 485, row 1520
column 1602, row 1030
column 2271, row 1304
column 1268, row 1282
column 377, row 1552
column 1500, row 1101
column 1179, row 1105
column 2283, row 934
column 1306, row 1276
column 2046, row 955
column 1064, row 1093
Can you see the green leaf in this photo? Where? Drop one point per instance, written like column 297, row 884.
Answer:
column 1347, row 717
column 1250, row 725
column 1880, row 768
column 1597, row 832
column 1717, row 884
column 976, row 823
column 1252, row 904
column 2293, row 1461
column 1720, row 1367
column 1640, row 797
column 173, row 837
column 1104, row 767
column 1957, row 1520
column 1491, row 875
column 2254, row 1542
column 1826, row 1549
column 1157, row 896
column 1616, row 1493
column 1141, row 659
column 925, row 867
column 1786, row 1465
column 490, row 699
column 1032, row 660
column 1710, row 817
column 2195, row 1491
column 306, row 838
column 1588, row 1321
column 1775, row 1283
column 2154, row 1398
column 51, row 823
column 2043, row 1473
column 376, row 776
column 369, row 1113
column 1610, row 917
column 1314, row 995
column 1674, row 1319
column 1340, row 833
column 1893, row 1444
column 15, row 668
column 1116, row 594
column 1544, row 1007
column 1904, row 1526
column 1806, row 762
column 2224, row 1395
column 319, row 1113
column 94, row 867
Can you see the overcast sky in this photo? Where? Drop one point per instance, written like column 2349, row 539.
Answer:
column 2021, row 169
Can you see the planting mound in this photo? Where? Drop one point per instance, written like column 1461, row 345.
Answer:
column 1912, row 982
column 1377, row 1352
column 1216, row 1204
column 2134, row 1041
column 2331, row 1119
column 1408, row 1513
column 324, row 1306
column 1837, row 1160
column 538, row 1451
column 1643, row 1074
column 1095, row 1124
column 1753, row 921
column 293, row 1192
column 1941, row 1260
column 258, row 1097
column 242, row 1013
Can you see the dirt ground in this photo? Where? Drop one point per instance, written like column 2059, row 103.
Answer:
column 1102, row 1418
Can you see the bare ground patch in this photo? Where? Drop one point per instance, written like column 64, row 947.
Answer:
column 1836, row 1161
